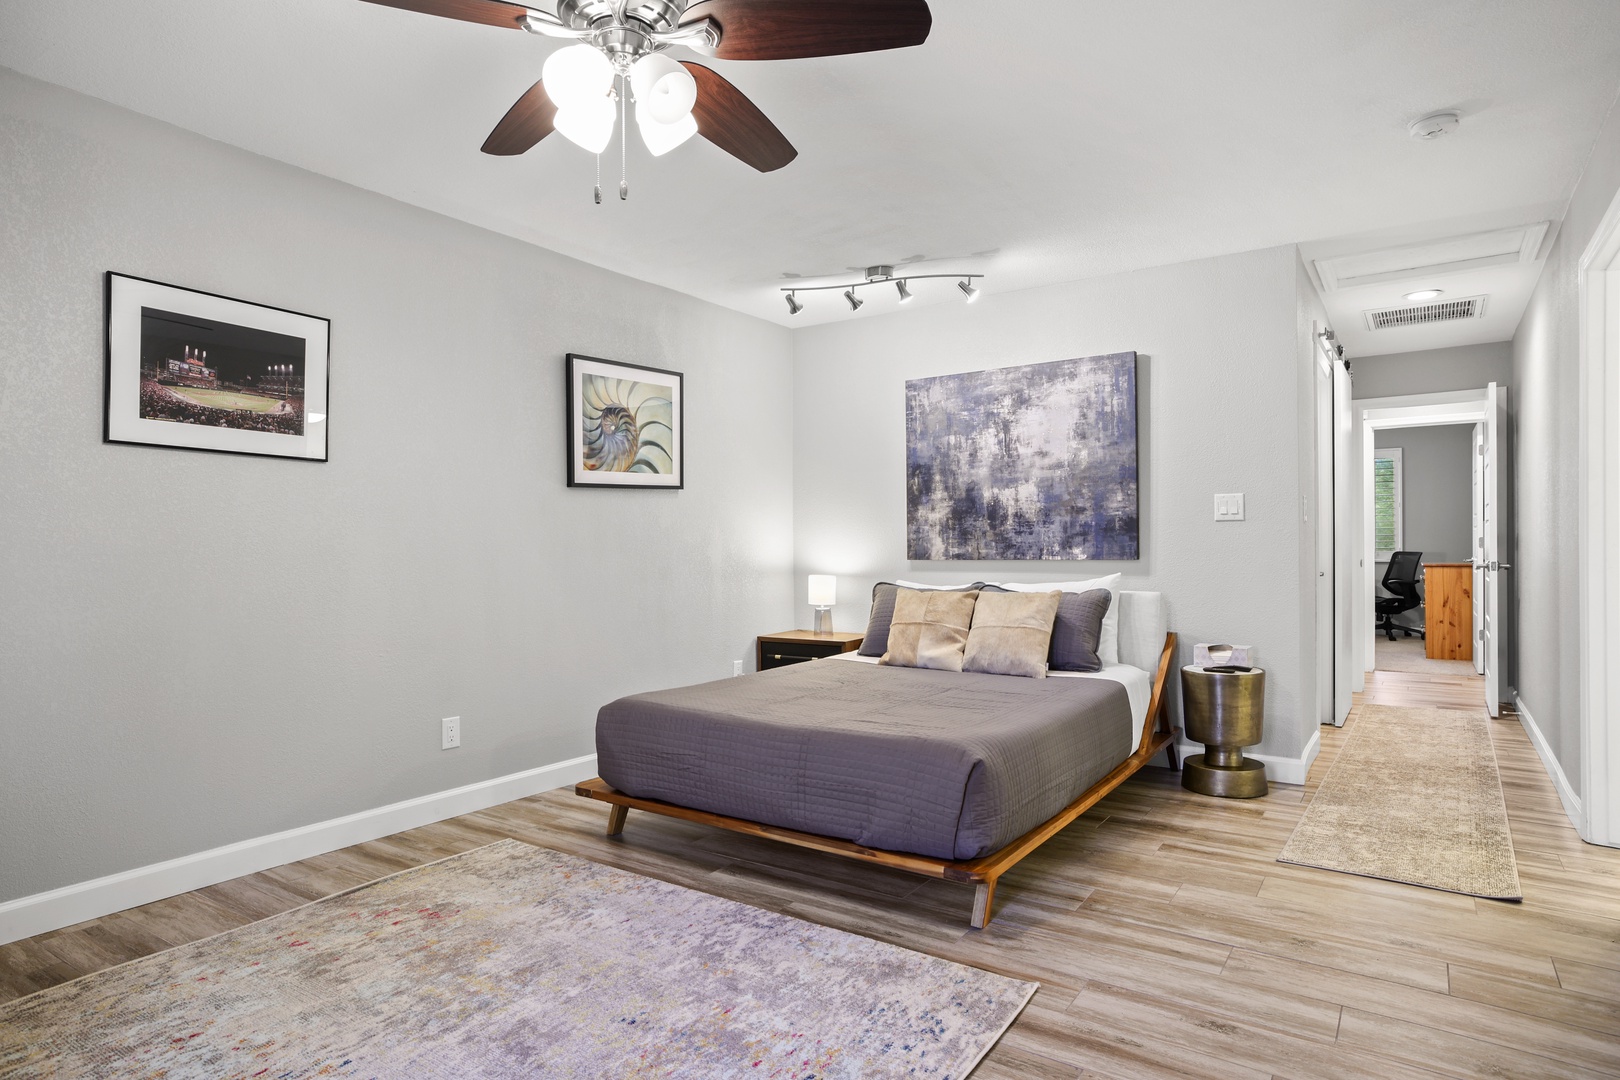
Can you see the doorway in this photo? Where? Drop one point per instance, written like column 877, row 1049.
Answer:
column 1427, row 528
column 1477, row 586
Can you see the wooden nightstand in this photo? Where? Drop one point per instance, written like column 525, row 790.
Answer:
column 797, row 646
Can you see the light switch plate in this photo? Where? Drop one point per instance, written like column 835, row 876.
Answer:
column 1229, row 507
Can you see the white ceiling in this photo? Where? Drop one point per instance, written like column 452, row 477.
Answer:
column 1040, row 141
column 1506, row 288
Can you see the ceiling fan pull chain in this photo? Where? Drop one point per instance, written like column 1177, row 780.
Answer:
column 624, row 142
column 598, row 179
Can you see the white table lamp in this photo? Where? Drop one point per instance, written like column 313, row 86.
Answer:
column 823, row 595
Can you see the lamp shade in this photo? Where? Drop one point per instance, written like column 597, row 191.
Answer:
column 823, row 590
column 577, row 76
column 589, row 125
column 662, row 138
column 663, row 87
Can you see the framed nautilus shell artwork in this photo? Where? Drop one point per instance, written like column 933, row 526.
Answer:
column 1033, row 462
column 624, row 425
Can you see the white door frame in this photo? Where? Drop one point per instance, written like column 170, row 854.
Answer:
column 1374, row 414
column 1598, row 285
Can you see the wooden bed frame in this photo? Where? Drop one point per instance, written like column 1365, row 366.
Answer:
column 1157, row 734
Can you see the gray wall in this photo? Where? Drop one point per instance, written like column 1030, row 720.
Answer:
column 1430, row 371
column 1546, row 407
column 1218, row 408
column 197, row 648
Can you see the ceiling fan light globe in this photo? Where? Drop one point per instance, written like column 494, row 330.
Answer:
column 662, row 138
column 673, row 97
column 663, row 87
column 577, row 76
column 588, row 126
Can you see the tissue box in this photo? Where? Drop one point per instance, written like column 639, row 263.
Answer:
column 1205, row 655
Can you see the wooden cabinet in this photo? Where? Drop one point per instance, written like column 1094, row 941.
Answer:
column 1448, row 605
column 797, row 646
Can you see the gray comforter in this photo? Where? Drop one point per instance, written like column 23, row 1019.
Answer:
column 937, row 763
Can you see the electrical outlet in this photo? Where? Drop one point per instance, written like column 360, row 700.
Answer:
column 451, row 729
column 1229, row 507
column 736, row 668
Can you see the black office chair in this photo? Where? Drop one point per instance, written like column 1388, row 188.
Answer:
column 1401, row 579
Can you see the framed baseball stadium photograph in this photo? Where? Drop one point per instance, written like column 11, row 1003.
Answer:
column 624, row 425
column 197, row 371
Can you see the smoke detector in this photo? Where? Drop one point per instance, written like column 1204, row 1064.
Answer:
column 1433, row 126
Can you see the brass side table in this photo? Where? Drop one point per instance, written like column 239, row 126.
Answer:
column 1224, row 710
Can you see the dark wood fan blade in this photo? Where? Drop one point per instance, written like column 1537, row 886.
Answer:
column 790, row 29
column 531, row 118
column 733, row 123
column 487, row 12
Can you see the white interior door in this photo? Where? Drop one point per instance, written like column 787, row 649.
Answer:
column 1344, row 546
column 1494, row 483
column 1325, row 622
column 1477, row 549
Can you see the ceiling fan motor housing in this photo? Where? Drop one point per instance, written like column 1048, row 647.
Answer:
column 624, row 31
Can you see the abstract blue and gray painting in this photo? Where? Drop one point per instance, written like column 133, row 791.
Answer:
column 1034, row 462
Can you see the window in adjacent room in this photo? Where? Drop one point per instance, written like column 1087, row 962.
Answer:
column 1386, row 501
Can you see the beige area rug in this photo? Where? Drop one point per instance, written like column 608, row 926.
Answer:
column 1414, row 797
column 516, row 961
column 1407, row 654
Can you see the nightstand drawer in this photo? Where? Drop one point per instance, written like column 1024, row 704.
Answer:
column 804, row 650
column 769, row 659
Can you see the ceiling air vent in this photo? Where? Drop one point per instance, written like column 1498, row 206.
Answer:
column 1468, row 307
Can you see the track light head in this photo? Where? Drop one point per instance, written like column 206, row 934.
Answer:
column 905, row 293
column 968, row 290
column 794, row 307
column 855, row 302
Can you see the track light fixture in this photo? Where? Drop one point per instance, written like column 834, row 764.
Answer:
column 880, row 275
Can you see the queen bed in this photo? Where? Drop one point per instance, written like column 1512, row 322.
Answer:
column 957, row 775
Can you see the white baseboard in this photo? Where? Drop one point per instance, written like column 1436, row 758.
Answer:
column 46, row 911
column 1279, row 770
column 1566, row 794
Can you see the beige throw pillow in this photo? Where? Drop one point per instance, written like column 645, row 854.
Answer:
column 929, row 629
column 1011, row 633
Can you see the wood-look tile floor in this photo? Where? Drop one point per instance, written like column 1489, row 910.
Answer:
column 1167, row 940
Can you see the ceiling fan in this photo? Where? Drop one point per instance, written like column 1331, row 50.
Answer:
column 619, row 55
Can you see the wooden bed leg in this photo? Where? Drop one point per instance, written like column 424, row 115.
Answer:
column 616, row 816
column 984, row 894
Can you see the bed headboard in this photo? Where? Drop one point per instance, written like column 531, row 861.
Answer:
column 1143, row 621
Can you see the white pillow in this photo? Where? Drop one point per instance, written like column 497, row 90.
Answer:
column 925, row 588
column 1108, row 640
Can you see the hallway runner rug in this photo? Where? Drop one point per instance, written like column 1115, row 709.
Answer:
column 512, row 960
column 1415, row 797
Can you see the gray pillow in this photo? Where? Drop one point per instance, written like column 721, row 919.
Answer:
column 876, row 642
column 1077, row 631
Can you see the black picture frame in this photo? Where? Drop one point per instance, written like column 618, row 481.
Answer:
column 650, row 403
column 266, row 391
